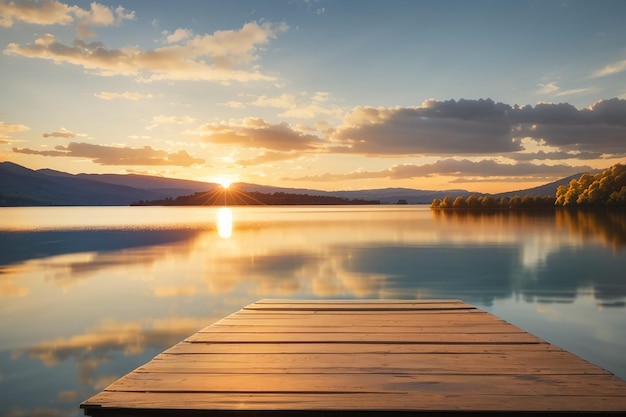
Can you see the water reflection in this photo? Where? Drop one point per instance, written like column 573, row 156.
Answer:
column 225, row 222
column 82, row 306
column 606, row 226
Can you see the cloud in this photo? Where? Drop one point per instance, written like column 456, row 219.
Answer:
column 614, row 68
column 6, row 129
column 454, row 167
column 52, row 12
column 268, row 157
column 107, row 95
column 258, row 134
column 553, row 156
column 446, row 128
column 554, row 90
column 598, row 128
column 284, row 101
column 481, row 127
column 215, row 57
column 178, row 35
column 113, row 155
column 99, row 15
column 547, row 88
column 46, row 12
column 62, row 133
column 573, row 91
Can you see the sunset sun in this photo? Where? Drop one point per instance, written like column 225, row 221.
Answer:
column 224, row 181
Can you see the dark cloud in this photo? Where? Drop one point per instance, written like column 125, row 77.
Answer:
column 560, row 155
column 28, row 151
column 482, row 127
column 112, row 155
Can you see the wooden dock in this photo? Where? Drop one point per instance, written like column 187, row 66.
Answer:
column 377, row 358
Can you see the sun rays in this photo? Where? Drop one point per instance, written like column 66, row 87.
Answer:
column 228, row 196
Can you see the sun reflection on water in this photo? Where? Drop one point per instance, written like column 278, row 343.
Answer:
column 225, row 223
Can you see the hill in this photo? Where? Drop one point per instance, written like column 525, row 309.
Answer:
column 20, row 186
column 383, row 195
column 542, row 190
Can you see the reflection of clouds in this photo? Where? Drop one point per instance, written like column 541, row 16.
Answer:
column 9, row 278
column 329, row 279
column 9, row 288
column 66, row 270
column 98, row 346
column 295, row 252
column 579, row 269
column 38, row 412
column 68, row 396
column 272, row 273
column 352, row 253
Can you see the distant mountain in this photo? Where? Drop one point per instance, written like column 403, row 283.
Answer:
column 543, row 190
column 384, row 195
column 20, row 186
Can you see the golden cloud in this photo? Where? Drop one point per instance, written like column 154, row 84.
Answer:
column 202, row 57
column 6, row 129
column 95, row 347
column 46, row 12
column 256, row 133
column 114, row 155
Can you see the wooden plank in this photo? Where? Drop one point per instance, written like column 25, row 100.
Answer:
column 357, row 305
column 363, row 308
column 410, row 384
column 393, row 302
column 469, row 328
column 558, row 362
column 356, row 349
column 336, row 356
column 515, row 337
column 358, row 320
column 389, row 402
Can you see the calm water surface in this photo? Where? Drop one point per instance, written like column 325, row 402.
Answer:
column 88, row 294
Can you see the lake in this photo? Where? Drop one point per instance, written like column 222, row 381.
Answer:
column 90, row 293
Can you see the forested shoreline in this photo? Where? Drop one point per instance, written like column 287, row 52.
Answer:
column 236, row 197
column 605, row 189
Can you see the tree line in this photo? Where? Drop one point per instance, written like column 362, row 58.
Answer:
column 234, row 197
column 605, row 189
column 490, row 202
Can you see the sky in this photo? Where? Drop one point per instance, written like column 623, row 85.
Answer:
column 486, row 96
